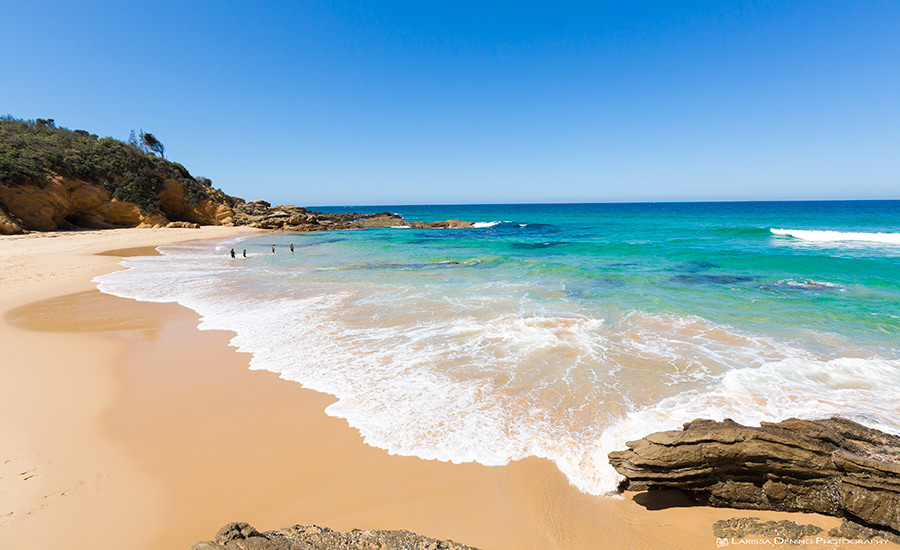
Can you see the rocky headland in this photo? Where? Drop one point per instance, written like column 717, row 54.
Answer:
column 53, row 178
column 834, row 467
column 241, row 536
column 262, row 215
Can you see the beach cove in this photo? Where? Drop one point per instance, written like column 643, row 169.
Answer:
column 432, row 276
column 128, row 425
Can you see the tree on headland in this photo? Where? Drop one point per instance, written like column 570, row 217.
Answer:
column 153, row 144
column 133, row 141
column 147, row 143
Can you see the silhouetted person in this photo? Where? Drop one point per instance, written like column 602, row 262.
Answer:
column 232, row 253
column 245, row 252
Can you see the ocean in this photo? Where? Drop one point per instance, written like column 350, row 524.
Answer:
column 562, row 330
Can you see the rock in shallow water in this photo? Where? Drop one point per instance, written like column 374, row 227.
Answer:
column 834, row 467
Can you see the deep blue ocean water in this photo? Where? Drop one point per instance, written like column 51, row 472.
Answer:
column 563, row 330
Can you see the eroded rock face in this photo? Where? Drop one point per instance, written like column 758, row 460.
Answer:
column 8, row 225
column 174, row 205
column 61, row 203
column 241, row 536
column 834, row 467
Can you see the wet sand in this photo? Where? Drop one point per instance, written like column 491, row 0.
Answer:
column 126, row 425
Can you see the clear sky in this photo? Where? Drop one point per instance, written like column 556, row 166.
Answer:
column 337, row 103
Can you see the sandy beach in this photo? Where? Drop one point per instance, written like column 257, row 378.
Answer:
column 124, row 425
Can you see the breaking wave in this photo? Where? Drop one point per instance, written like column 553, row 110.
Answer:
column 829, row 236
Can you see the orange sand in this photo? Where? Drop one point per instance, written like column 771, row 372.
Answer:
column 124, row 425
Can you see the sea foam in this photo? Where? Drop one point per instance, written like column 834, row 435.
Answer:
column 829, row 236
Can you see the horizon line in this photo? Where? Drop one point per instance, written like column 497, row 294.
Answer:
column 701, row 201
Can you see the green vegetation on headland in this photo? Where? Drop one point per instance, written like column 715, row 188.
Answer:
column 53, row 178
column 134, row 171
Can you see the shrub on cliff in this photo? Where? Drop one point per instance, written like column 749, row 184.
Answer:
column 33, row 150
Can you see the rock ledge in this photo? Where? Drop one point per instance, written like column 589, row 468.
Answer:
column 834, row 467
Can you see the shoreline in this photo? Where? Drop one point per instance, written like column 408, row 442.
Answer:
column 135, row 425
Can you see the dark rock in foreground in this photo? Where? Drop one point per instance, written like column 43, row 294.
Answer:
column 834, row 467
column 851, row 530
column 741, row 527
column 241, row 536
column 791, row 532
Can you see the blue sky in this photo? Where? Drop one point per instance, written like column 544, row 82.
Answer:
column 322, row 103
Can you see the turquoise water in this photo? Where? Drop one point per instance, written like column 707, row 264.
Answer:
column 562, row 331
column 716, row 260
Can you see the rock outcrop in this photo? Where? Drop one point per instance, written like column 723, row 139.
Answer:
column 241, row 536
column 262, row 215
column 834, row 467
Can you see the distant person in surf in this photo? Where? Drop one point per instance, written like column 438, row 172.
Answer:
column 273, row 249
column 292, row 248
column 245, row 252
column 232, row 253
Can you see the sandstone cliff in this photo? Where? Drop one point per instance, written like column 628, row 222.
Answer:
column 834, row 467
column 65, row 203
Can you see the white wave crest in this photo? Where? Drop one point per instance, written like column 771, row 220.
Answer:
column 481, row 225
column 807, row 285
column 829, row 236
